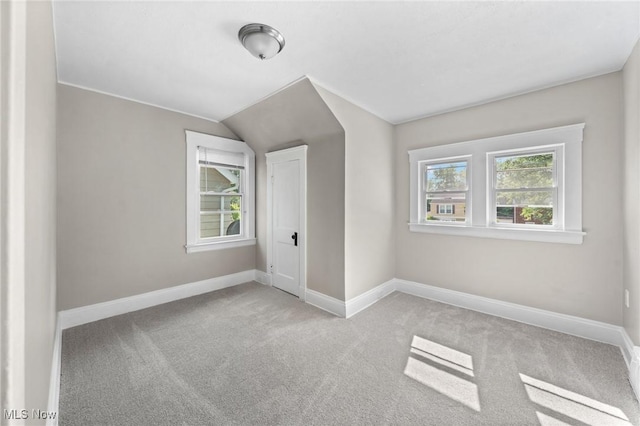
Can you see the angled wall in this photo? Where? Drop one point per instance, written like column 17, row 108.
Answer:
column 369, row 196
column 294, row 116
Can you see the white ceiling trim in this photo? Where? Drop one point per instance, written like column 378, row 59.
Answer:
column 347, row 98
column 403, row 60
column 264, row 98
column 65, row 83
column 508, row 96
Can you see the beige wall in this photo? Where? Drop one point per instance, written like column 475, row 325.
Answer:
column 40, row 220
column 631, row 195
column 297, row 115
column 121, row 201
column 369, row 196
column 28, row 191
column 583, row 280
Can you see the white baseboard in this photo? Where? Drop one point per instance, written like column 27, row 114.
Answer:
column 54, row 380
column 632, row 357
column 326, row 303
column 567, row 324
column 363, row 301
column 90, row 313
column 634, row 372
column 263, row 277
column 576, row 326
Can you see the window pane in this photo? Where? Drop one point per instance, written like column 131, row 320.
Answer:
column 219, row 179
column 525, row 207
column 541, row 198
column 210, row 225
column 449, row 208
column 524, row 171
column 212, row 203
column 451, row 176
column 219, row 224
column 525, row 215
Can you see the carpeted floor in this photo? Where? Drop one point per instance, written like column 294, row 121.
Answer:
column 251, row 354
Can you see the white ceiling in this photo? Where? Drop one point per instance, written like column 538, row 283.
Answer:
column 398, row 60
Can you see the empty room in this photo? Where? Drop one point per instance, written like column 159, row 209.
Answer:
column 325, row 213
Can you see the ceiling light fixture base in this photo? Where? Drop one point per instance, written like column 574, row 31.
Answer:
column 262, row 41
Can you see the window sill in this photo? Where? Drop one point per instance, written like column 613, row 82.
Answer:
column 219, row 245
column 546, row 236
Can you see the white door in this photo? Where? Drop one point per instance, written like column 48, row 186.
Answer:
column 286, row 249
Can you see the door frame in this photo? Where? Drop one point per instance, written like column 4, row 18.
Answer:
column 289, row 154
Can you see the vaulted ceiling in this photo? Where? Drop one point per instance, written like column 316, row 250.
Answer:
column 398, row 60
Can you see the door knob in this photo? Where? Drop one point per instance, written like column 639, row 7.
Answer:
column 294, row 237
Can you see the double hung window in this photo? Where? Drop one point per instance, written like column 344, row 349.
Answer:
column 220, row 193
column 446, row 187
column 525, row 186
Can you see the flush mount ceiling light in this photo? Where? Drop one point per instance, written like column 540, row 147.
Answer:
column 262, row 41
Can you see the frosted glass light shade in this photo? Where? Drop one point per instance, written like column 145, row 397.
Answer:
column 262, row 41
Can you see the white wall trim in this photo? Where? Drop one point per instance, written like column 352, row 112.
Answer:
column 54, row 381
column 634, row 372
column 631, row 355
column 576, row 326
column 568, row 324
column 363, row 301
column 113, row 95
column 263, row 277
column 326, row 303
column 85, row 314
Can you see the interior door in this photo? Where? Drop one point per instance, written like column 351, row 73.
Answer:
column 286, row 235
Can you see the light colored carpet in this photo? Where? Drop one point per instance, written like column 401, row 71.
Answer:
column 251, row 354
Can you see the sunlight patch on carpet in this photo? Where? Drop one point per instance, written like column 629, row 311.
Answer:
column 571, row 404
column 430, row 366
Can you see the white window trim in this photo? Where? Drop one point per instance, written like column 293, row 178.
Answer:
column 194, row 242
column 569, row 232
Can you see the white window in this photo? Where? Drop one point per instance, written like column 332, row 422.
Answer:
column 445, row 209
column 220, row 193
column 526, row 186
column 445, row 185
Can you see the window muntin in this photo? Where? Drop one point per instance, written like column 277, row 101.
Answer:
column 220, row 201
column 524, row 191
column 446, row 190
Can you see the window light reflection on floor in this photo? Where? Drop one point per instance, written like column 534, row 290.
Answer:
column 570, row 405
column 428, row 364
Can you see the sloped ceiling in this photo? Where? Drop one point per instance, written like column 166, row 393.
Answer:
column 296, row 113
column 398, row 60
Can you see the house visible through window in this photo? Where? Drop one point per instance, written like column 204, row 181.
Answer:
column 445, row 190
column 446, row 209
column 220, row 193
